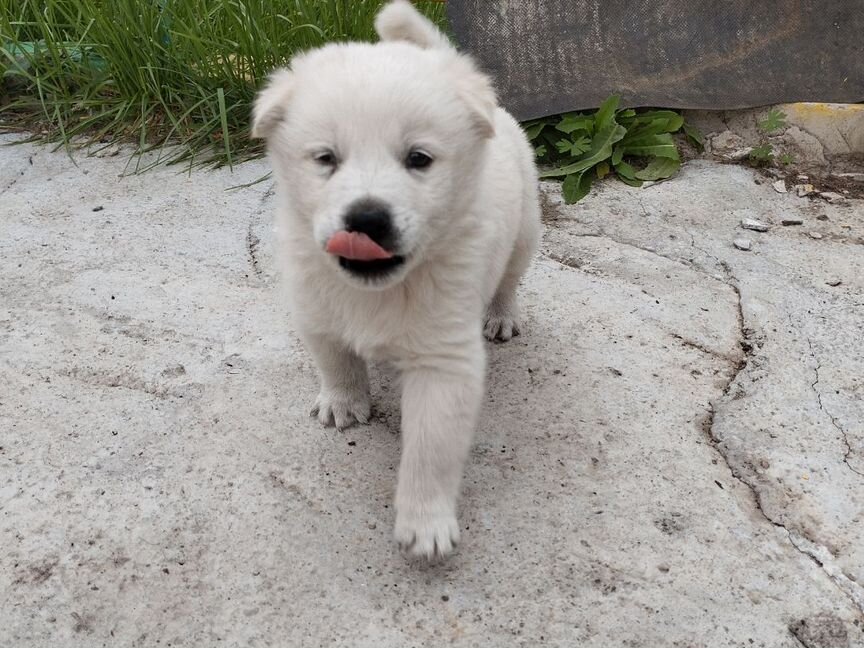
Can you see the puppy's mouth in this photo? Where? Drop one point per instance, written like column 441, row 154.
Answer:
column 362, row 256
column 372, row 270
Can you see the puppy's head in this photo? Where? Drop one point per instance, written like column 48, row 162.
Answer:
column 376, row 146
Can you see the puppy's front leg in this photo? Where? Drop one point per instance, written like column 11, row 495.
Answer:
column 344, row 395
column 439, row 414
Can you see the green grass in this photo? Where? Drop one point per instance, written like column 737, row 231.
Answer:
column 157, row 72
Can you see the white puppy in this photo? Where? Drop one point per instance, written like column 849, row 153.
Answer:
column 408, row 203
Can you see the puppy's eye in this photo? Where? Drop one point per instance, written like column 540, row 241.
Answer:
column 325, row 159
column 418, row 160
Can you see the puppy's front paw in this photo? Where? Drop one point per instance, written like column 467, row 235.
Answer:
column 430, row 533
column 500, row 325
column 342, row 408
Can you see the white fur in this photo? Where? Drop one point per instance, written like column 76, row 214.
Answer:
column 468, row 225
column 400, row 21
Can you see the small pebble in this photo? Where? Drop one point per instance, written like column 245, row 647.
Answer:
column 755, row 225
column 834, row 282
column 792, row 221
column 804, row 190
column 779, row 186
column 822, row 217
column 857, row 177
column 815, row 235
column 742, row 244
column 832, row 197
column 173, row 370
column 803, row 178
column 740, row 154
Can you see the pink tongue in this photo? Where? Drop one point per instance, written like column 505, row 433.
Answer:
column 356, row 246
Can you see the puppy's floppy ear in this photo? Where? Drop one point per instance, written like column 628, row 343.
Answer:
column 400, row 21
column 476, row 90
column 272, row 102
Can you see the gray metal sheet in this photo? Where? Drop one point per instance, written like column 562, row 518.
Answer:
column 551, row 56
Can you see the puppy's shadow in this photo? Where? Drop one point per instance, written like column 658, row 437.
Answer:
column 386, row 393
column 533, row 396
column 547, row 418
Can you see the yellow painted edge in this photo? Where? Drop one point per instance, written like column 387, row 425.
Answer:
column 825, row 110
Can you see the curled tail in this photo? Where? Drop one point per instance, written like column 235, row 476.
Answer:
column 400, row 21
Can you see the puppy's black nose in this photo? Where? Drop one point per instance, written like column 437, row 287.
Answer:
column 373, row 219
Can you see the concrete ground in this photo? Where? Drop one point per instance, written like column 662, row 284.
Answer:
column 672, row 454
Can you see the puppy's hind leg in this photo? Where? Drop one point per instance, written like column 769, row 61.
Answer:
column 502, row 314
column 344, row 395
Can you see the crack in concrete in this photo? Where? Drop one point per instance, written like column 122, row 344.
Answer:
column 252, row 243
column 568, row 261
column 9, row 185
column 797, row 640
column 823, row 557
column 574, row 263
column 845, row 139
column 818, row 554
column 838, row 427
column 603, row 235
column 252, row 240
column 702, row 348
column 730, row 279
column 15, row 180
column 126, row 379
column 12, row 183
column 551, row 215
